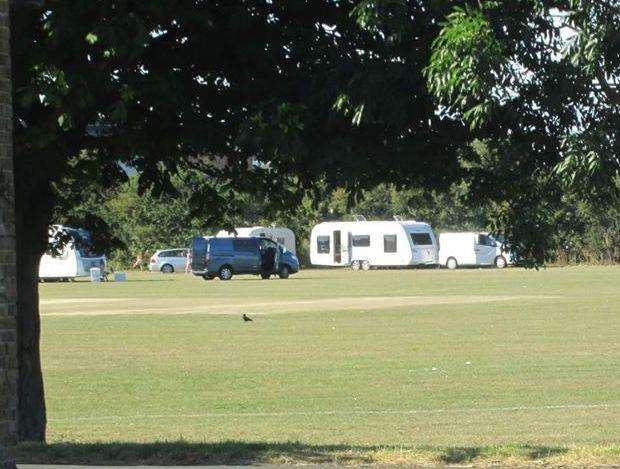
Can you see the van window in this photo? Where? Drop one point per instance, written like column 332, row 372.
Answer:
column 360, row 241
column 165, row 254
column 422, row 239
column 389, row 243
column 322, row 244
column 244, row 245
column 485, row 240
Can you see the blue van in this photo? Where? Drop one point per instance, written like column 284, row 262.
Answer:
column 225, row 257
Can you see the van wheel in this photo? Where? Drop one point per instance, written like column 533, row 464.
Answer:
column 451, row 263
column 265, row 276
column 284, row 272
column 225, row 273
column 167, row 269
column 355, row 265
column 500, row 262
column 365, row 265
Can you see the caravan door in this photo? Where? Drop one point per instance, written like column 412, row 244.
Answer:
column 342, row 247
column 337, row 247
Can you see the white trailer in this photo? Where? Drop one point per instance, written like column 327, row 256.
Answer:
column 73, row 255
column 470, row 249
column 363, row 244
column 279, row 234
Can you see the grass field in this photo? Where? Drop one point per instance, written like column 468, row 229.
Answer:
column 426, row 366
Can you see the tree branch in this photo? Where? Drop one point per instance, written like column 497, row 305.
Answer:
column 612, row 93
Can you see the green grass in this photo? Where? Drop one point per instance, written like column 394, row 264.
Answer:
column 427, row 366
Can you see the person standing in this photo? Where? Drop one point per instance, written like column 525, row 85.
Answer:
column 188, row 261
column 139, row 262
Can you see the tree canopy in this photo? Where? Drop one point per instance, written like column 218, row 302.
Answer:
column 166, row 86
column 285, row 99
column 539, row 83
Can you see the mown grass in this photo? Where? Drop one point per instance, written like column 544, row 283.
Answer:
column 531, row 379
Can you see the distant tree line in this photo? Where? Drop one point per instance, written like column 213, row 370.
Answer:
column 127, row 223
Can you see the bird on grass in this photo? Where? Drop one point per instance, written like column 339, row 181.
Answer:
column 246, row 318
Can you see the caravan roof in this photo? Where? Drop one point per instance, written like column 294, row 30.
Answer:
column 374, row 224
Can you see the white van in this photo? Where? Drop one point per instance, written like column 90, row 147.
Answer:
column 471, row 248
column 364, row 244
column 74, row 259
column 279, row 234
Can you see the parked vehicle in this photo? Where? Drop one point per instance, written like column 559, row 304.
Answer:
column 224, row 257
column 70, row 254
column 363, row 244
column 472, row 248
column 280, row 234
column 168, row 261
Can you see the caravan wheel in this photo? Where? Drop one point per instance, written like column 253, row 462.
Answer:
column 365, row 265
column 355, row 265
column 451, row 263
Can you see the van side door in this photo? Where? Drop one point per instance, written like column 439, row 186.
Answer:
column 246, row 259
column 485, row 249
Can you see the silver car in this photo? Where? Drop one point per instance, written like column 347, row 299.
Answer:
column 168, row 261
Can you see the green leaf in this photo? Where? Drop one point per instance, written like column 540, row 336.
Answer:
column 91, row 38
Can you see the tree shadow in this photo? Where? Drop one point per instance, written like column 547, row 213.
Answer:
column 459, row 455
column 468, row 454
column 543, row 452
column 255, row 279
column 249, row 453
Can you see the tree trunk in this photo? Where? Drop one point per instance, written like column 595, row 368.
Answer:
column 31, row 240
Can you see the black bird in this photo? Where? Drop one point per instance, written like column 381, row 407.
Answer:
column 246, row 318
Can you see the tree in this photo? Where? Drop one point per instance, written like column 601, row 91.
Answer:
column 164, row 86
column 538, row 83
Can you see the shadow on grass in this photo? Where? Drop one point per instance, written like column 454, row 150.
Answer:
column 111, row 280
column 248, row 453
column 468, row 454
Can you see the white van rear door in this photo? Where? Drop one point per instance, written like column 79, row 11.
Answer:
column 485, row 250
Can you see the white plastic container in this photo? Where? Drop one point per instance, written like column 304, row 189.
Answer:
column 95, row 274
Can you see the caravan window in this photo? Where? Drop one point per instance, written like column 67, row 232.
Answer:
column 423, row 239
column 322, row 244
column 389, row 243
column 360, row 241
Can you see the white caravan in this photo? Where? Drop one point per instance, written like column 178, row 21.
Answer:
column 363, row 244
column 471, row 248
column 279, row 234
column 74, row 259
